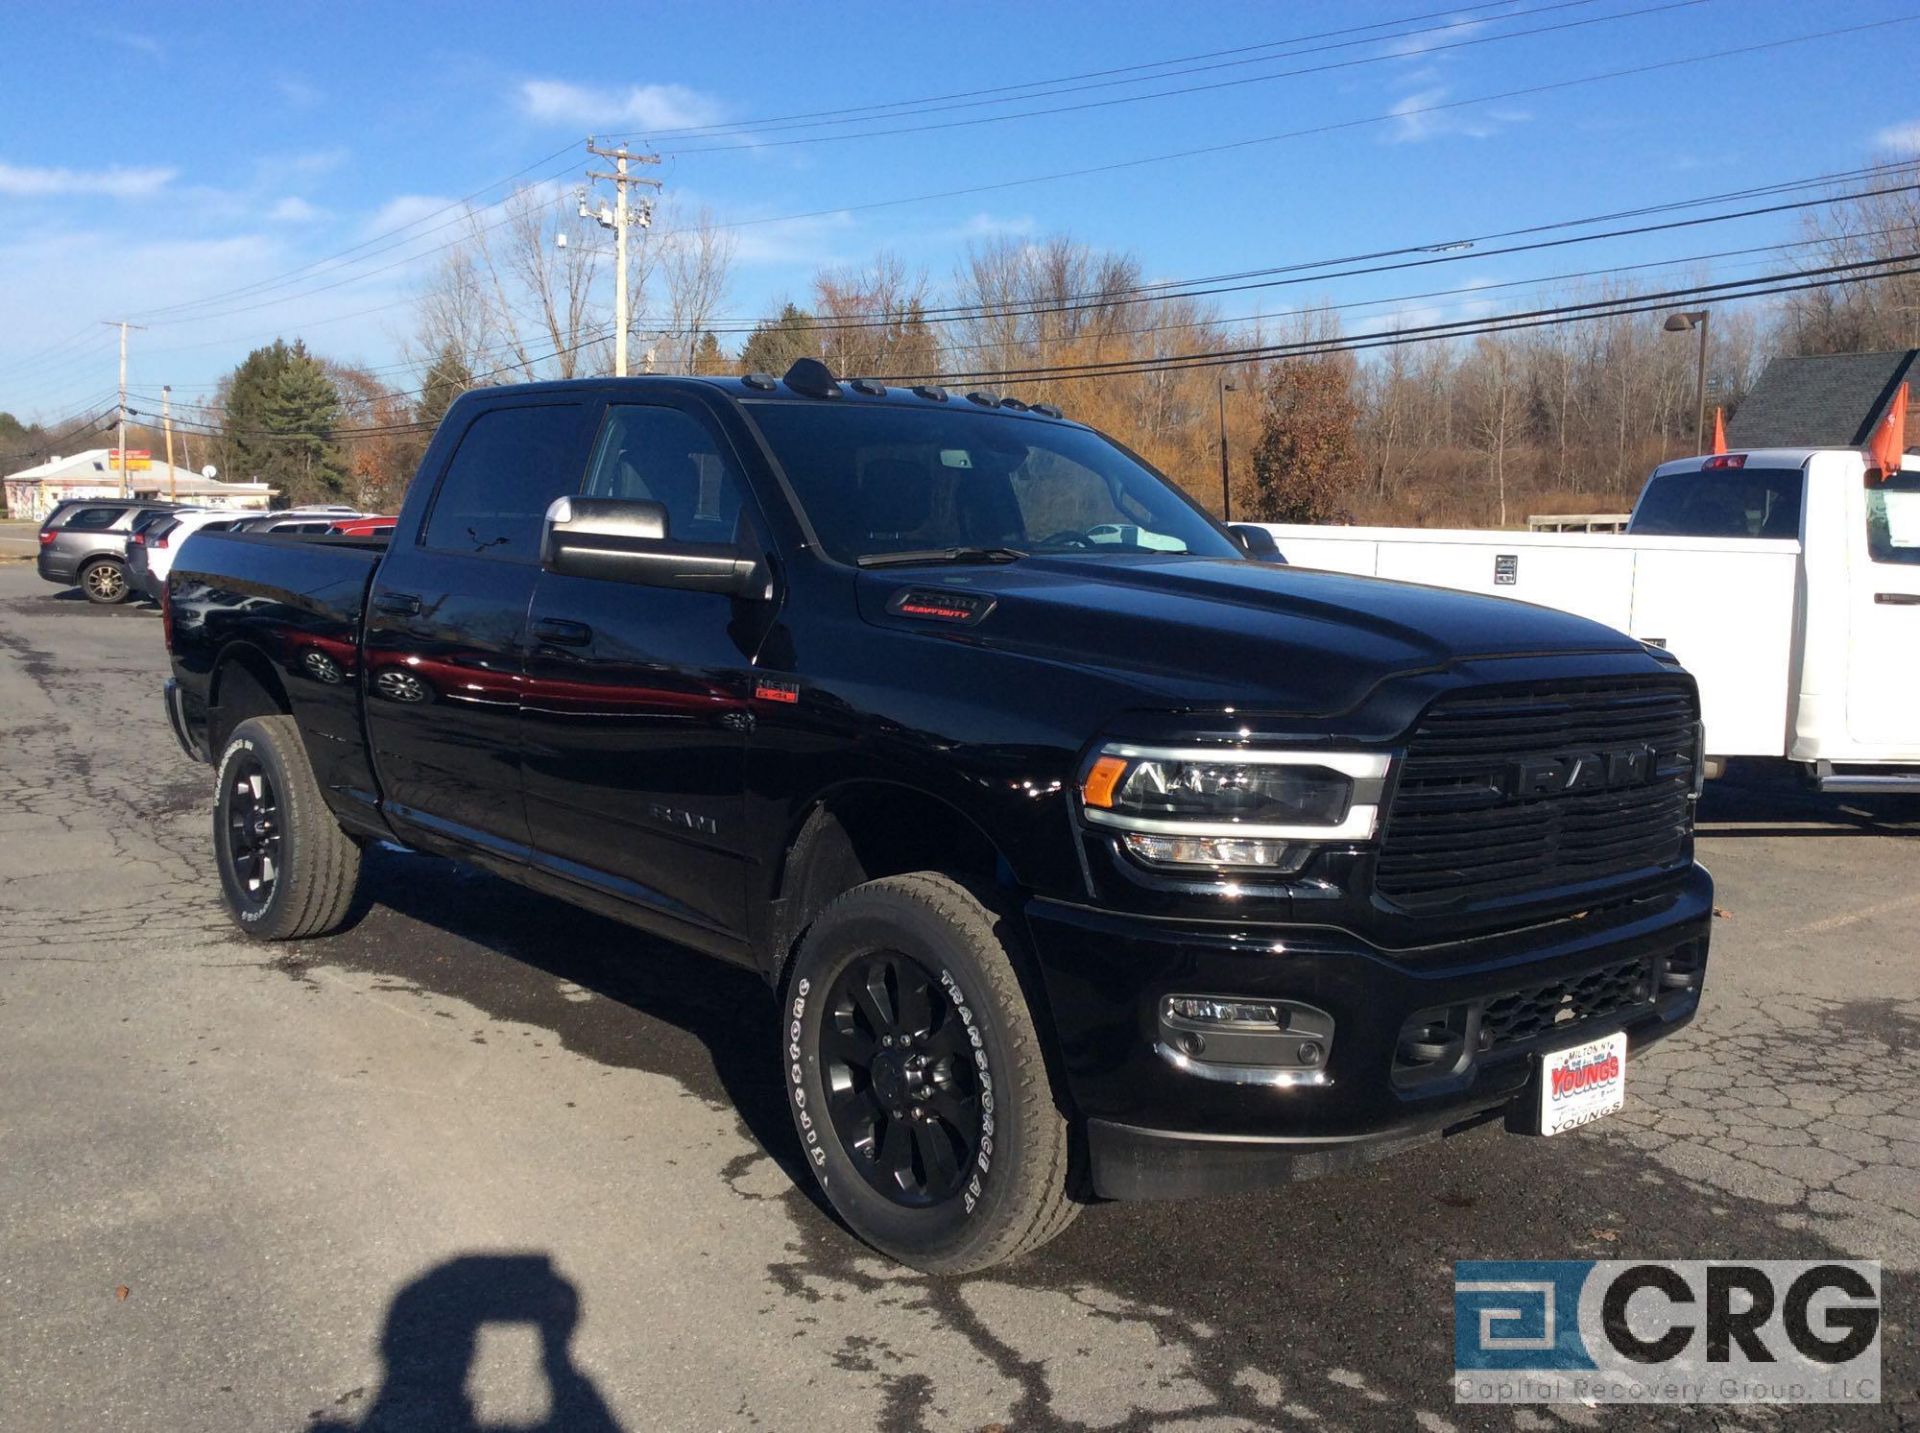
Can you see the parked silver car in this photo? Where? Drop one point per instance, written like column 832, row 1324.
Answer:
column 83, row 543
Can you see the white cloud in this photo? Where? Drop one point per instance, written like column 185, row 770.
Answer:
column 298, row 92
column 120, row 182
column 1899, row 138
column 642, row 106
column 405, row 209
column 1424, row 115
column 1449, row 34
column 994, row 226
column 294, row 210
column 144, row 44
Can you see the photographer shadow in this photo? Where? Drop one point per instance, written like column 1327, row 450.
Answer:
column 432, row 1334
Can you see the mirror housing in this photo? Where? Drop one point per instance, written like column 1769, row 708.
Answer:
column 1255, row 541
column 618, row 540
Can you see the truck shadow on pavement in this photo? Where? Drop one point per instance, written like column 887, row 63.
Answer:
column 1330, row 1300
column 432, row 1334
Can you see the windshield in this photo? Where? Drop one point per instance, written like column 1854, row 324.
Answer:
column 1727, row 502
column 878, row 480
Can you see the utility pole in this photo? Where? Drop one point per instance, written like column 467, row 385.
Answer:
column 1226, row 487
column 1680, row 323
column 623, row 215
column 123, row 326
column 166, row 421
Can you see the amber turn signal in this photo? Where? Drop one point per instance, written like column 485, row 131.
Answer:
column 1097, row 789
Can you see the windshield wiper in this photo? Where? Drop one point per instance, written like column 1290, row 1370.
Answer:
column 941, row 554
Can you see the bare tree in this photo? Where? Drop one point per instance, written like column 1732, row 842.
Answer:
column 696, row 264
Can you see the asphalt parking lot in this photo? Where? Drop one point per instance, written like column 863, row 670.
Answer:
column 484, row 1160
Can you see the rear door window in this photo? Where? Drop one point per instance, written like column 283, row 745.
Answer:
column 92, row 519
column 1725, row 502
column 1893, row 519
column 510, row 465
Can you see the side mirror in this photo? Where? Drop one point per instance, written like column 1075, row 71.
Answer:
column 1256, row 541
column 622, row 541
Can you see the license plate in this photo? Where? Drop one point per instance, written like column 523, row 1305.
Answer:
column 1582, row 1083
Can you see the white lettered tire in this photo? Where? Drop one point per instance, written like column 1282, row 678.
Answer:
column 934, row 1132
column 287, row 870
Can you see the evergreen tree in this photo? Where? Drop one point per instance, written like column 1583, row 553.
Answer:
column 281, row 410
column 447, row 378
column 707, row 357
column 776, row 342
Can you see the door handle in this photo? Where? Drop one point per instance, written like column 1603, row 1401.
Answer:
column 560, row 633
column 397, row 604
column 1897, row 599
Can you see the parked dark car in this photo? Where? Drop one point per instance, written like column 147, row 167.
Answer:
column 83, row 543
column 1090, row 856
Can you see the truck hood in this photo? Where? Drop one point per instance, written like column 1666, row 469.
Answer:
column 1216, row 630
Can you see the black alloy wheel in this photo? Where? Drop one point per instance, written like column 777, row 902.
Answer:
column 903, row 1094
column 253, row 830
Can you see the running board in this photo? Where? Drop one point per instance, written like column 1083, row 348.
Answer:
column 1861, row 783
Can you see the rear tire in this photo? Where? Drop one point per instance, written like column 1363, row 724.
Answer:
column 917, row 1082
column 105, row 582
column 287, row 870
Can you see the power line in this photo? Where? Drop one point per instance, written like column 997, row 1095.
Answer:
column 290, row 275
column 1195, row 152
column 1826, row 276
column 1320, row 69
column 1457, row 249
column 1759, row 286
column 777, row 122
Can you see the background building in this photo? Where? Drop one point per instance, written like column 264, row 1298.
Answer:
column 32, row 492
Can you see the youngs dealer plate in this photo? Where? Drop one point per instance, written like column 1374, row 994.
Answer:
column 1582, row 1083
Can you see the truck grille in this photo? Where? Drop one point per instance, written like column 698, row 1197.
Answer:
column 1511, row 791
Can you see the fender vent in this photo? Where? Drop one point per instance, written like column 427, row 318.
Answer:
column 961, row 609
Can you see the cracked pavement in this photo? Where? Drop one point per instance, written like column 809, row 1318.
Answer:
column 486, row 1160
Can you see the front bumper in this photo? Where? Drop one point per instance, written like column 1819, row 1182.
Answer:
column 1156, row 1129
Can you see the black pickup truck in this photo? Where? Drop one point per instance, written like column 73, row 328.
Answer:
column 1091, row 856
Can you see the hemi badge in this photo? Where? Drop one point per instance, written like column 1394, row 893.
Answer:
column 777, row 691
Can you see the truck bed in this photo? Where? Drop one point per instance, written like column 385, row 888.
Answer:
column 1726, row 607
column 295, row 604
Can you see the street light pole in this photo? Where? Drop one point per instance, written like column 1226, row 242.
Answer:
column 1226, row 487
column 1680, row 323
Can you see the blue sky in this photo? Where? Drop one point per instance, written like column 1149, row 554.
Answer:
column 152, row 157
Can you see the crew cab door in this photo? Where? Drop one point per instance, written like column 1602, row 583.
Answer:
column 637, row 703
column 1883, row 676
column 445, row 619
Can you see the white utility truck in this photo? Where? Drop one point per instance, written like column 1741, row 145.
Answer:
column 1787, row 580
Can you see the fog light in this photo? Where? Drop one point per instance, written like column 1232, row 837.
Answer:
column 1246, row 1042
column 1203, row 1010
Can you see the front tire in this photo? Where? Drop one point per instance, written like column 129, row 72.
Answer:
column 105, row 582
column 287, row 870
column 916, row 1078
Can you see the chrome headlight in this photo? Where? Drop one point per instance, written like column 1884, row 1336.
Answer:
column 1182, row 806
